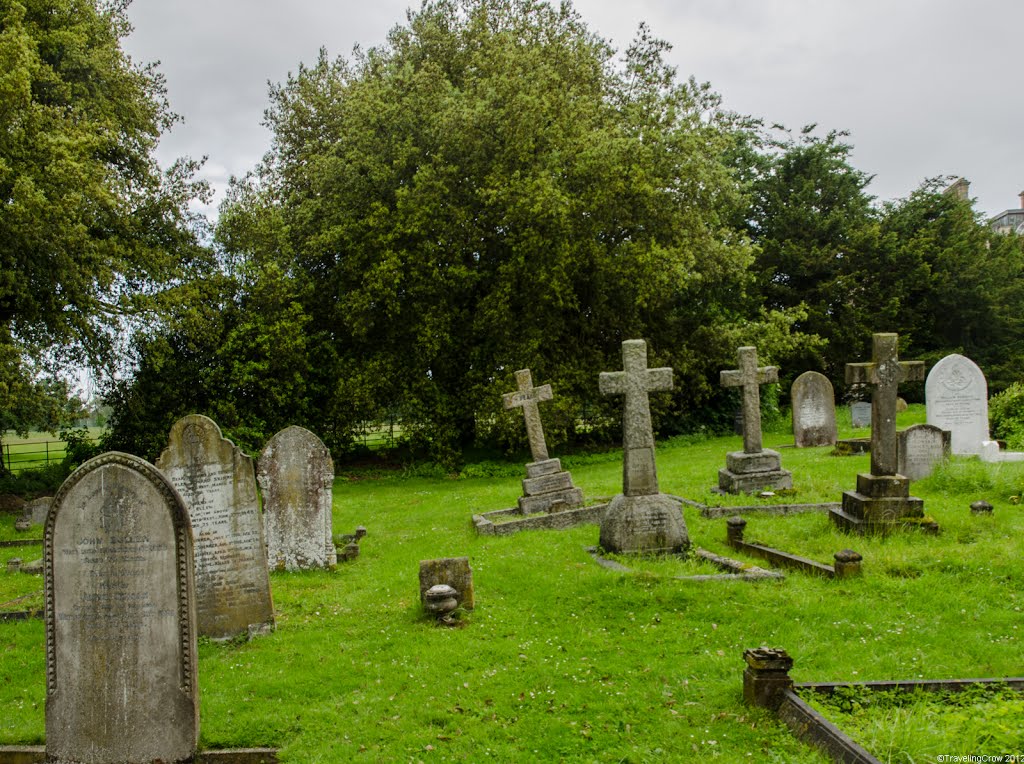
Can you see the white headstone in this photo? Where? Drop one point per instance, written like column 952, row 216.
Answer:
column 956, row 396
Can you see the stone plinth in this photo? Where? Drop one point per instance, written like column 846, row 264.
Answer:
column 879, row 502
column 548, row 488
column 450, row 571
column 748, row 473
column 649, row 524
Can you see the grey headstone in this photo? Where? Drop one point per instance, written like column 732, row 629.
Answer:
column 921, row 448
column 860, row 414
column 296, row 474
column 814, row 410
column 36, row 509
column 218, row 483
column 449, row 571
column 120, row 618
column 956, row 397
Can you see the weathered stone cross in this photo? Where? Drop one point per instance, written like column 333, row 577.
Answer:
column 528, row 397
column 639, row 473
column 750, row 377
column 884, row 374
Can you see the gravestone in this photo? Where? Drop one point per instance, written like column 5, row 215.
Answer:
column 814, row 410
column 883, row 496
column 35, row 510
column 860, row 414
column 218, row 484
column 640, row 519
column 120, row 618
column 296, row 474
column 755, row 468
column 450, row 571
column 956, row 398
column 921, row 447
column 547, row 486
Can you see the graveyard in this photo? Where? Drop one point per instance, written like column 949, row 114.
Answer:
column 562, row 659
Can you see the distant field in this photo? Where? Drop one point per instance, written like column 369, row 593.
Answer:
column 36, row 450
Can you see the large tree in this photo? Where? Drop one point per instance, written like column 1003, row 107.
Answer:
column 90, row 227
column 491, row 189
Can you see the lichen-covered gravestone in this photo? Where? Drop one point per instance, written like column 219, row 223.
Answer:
column 921, row 448
column 120, row 618
column 814, row 410
column 640, row 519
column 296, row 474
column 755, row 467
column 218, row 483
column 547, row 486
column 956, row 397
column 451, row 571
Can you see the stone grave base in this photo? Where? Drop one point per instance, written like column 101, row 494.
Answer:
column 749, row 473
column 548, row 488
column 851, row 446
column 36, row 754
column 650, row 524
column 880, row 503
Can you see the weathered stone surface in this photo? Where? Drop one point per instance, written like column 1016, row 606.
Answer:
column 956, row 397
column 120, row 618
column 761, row 461
column 555, row 501
column 921, row 448
column 981, row 507
column 639, row 472
column 751, row 482
column 527, row 397
column 814, row 410
column 559, row 481
column 546, row 467
column 296, row 474
column 644, row 524
column 218, row 484
column 860, row 414
column 36, row 509
column 451, row 571
column 750, row 377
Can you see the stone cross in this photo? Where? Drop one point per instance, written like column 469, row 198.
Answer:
column 884, row 373
column 639, row 473
column 750, row 377
column 528, row 397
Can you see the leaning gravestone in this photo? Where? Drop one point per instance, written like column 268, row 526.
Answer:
column 956, row 397
column 640, row 519
column 921, row 447
column 218, row 484
column 296, row 474
column 120, row 618
column 547, row 486
column 814, row 410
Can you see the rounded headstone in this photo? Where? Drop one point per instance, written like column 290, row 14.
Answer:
column 956, row 397
column 644, row 524
column 814, row 410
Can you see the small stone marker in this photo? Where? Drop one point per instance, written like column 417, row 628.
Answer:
column 296, row 474
column 755, row 467
column 120, row 618
column 218, row 484
column 956, row 397
column 860, row 414
column 640, row 519
column 882, row 497
column 921, row 448
column 981, row 507
column 35, row 510
column 814, row 410
column 547, row 486
column 450, row 571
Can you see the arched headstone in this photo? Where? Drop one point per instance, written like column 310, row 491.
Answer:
column 814, row 410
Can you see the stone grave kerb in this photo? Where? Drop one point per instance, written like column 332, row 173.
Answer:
column 634, row 382
column 749, row 377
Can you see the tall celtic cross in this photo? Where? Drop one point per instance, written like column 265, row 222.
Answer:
column 750, row 377
column 635, row 381
column 528, row 396
column 884, row 374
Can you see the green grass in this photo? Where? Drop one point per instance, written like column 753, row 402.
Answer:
column 563, row 660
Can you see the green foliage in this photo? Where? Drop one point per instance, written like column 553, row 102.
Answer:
column 1006, row 416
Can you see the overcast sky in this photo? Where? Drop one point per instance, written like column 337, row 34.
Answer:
column 925, row 87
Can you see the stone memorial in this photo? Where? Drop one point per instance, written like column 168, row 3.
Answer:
column 956, row 398
column 547, row 486
column 755, row 468
column 448, row 571
column 120, row 618
column 882, row 498
column 218, row 483
column 640, row 519
column 35, row 510
column 860, row 414
column 921, row 448
column 814, row 410
column 296, row 474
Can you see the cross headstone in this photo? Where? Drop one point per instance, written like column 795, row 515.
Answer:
column 814, row 410
column 218, row 483
column 120, row 618
column 883, row 374
column 296, row 473
column 635, row 381
column 749, row 376
column 527, row 397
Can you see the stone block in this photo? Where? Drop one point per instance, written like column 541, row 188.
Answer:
column 547, row 484
column 556, row 501
column 546, row 467
column 453, row 571
column 765, row 460
column 883, row 511
column 644, row 525
column 731, row 482
column 883, row 486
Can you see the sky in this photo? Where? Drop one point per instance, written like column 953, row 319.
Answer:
column 924, row 87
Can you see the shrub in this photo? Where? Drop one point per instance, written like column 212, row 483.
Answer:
column 1006, row 415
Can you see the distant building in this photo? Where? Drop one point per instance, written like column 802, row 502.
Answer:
column 960, row 189
column 1009, row 221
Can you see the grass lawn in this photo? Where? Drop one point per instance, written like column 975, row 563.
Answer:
column 563, row 660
